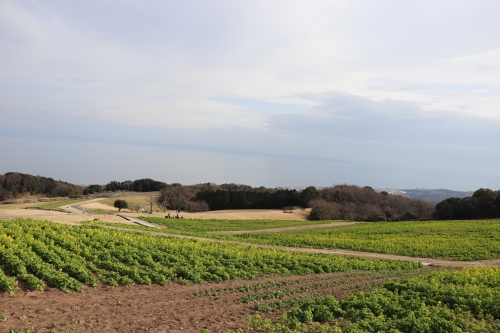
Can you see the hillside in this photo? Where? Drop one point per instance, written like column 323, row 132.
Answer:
column 15, row 184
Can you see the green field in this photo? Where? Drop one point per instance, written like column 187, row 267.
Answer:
column 450, row 301
column 57, row 204
column 456, row 240
column 432, row 300
column 67, row 257
column 102, row 212
column 203, row 227
column 452, row 240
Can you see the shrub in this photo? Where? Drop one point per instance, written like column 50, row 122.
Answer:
column 196, row 206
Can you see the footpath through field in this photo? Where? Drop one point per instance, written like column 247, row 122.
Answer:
column 371, row 255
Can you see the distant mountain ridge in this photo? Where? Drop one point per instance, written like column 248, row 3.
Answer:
column 429, row 195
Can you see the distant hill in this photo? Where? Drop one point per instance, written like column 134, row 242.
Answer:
column 16, row 184
column 429, row 195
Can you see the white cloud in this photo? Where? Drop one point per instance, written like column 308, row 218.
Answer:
column 176, row 67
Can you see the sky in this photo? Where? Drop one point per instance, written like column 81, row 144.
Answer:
column 388, row 94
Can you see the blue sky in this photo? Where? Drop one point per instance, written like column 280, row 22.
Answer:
column 283, row 93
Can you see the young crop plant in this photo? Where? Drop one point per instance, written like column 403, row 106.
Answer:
column 69, row 257
column 447, row 301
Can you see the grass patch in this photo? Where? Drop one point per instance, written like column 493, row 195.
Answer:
column 203, row 227
column 102, row 212
column 57, row 204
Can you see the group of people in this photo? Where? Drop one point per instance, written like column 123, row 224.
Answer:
column 174, row 217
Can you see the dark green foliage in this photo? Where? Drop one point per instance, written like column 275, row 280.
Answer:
column 91, row 189
column 248, row 198
column 307, row 195
column 484, row 203
column 120, row 204
column 13, row 184
column 139, row 185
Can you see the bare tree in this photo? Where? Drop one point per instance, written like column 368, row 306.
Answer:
column 174, row 197
column 151, row 200
column 163, row 201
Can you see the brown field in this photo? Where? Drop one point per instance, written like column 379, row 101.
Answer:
column 75, row 215
column 170, row 308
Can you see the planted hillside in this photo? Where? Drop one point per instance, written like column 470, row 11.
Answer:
column 350, row 202
column 43, row 253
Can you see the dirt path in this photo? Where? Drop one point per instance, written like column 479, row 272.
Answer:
column 271, row 231
column 370, row 255
column 72, row 215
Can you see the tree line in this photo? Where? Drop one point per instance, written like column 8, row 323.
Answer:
column 15, row 184
column 484, row 204
column 139, row 185
column 340, row 202
column 350, row 202
column 203, row 197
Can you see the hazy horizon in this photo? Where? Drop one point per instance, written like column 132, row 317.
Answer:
column 385, row 94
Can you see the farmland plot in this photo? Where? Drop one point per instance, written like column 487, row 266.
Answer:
column 455, row 240
column 216, row 306
column 41, row 253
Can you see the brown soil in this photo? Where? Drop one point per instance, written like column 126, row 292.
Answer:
column 75, row 215
column 271, row 231
column 72, row 217
column 170, row 308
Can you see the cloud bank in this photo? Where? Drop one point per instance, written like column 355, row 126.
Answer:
column 372, row 93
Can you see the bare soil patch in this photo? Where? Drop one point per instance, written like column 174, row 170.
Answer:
column 170, row 308
column 59, row 217
column 97, row 204
column 252, row 214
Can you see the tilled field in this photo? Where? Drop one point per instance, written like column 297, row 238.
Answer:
column 173, row 307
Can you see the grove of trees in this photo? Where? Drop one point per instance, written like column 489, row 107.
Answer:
column 483, row 204
column 15, row 184
column 340, row 202
column 139, row 185
column 350, row 202
column 245, row 197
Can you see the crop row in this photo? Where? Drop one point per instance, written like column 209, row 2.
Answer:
column 274, row 284
column 67, row 257
column 448, row 301
column 326, row 280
